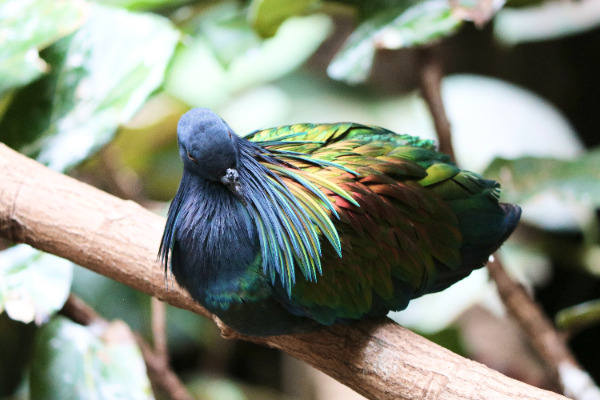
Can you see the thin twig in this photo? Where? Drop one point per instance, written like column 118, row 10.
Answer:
column 430, row 75
column 550, row 345
column 159, row 329
column 79, row 311
column 161, row 375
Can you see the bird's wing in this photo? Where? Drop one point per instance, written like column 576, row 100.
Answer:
column 308, row 138
column 389, row 197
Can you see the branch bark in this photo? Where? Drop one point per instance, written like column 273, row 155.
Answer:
column 119, row 239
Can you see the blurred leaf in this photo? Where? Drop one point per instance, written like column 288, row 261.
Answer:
column 227, row 31
column 266, row 16
column 296, row 40
column 407, row 24
column 527, row 177
column 215, row 388
column 559, row 195
column 145, row 151
column 112, row 299
column 186, row 83
column 579, row 316
column 232, row 58
column 143, row 4
column 71, row 362
column 100, row 76
column 547, row 20
column 27, row 26
column 33, row 284
column 494, row 118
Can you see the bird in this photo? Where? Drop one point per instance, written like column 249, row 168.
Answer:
column 293, row 228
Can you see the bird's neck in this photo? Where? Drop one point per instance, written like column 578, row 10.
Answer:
column 216, row 241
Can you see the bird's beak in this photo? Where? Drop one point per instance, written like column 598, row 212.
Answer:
column 231, row 179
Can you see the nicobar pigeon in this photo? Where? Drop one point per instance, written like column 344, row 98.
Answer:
column 291, row 228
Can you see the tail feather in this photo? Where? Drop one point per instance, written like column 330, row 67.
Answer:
column 512, row 215
column 476, row 249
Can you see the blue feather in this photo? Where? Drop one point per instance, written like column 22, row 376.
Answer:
column 289, row 233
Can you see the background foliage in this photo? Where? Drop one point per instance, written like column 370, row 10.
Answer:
column 94, row 89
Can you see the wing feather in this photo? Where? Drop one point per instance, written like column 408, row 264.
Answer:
column 363, row 189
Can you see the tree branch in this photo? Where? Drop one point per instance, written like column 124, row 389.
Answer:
column 430, row 75
column 549, row 344
column 160, row 373
column 119, row 239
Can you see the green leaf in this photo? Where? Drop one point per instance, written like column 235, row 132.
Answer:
column 579, row 316
column 554, row 194
column 232, row 58
column 71, row 362
column 33, row 285
column 525, row 178
column 143, row 4
column 266, row 16
column 27, row 26
column 100, row 76
column 407, row 24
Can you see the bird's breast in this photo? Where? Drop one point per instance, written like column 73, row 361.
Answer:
column 216, row 246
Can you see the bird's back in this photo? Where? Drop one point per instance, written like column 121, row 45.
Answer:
column 415, row 223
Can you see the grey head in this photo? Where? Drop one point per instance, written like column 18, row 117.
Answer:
column 209, row 148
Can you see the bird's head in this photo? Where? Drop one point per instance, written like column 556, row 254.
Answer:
column 209, row 148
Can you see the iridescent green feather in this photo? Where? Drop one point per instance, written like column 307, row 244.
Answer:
column 383, row 188
column 289, row 230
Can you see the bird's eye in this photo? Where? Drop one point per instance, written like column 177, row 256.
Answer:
column 192, row 159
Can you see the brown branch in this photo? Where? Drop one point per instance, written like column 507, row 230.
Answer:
column 549, row 344
column 157, row 358
column 159, row 329
column 79, row 311
column 159, row 372
column 430, row 75
column 119, row 239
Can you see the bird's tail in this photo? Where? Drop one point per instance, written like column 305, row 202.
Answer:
column 476, row 249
